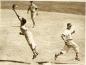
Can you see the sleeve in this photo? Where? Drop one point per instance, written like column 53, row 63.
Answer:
column 24, row 28
column 64, row 33
column 35, row 6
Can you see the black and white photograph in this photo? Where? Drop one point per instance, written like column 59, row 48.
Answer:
column 42, row 32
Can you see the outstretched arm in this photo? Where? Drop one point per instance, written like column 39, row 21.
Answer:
column 73, row 32
column 13, row 7
column 28, row 9
column 17, row 15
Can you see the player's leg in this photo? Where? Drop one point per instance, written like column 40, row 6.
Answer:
column 76, row 49
column 34, row 47
column 33, row 50
column 27, row 36
column 63, row 51
column 56, row 55
column 32, row 17
column 31, row 43
column 77, row 57
column 35, row 53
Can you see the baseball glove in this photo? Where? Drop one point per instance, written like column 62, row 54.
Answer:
column 13, row 6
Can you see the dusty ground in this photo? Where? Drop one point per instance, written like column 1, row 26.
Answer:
column 14, row 49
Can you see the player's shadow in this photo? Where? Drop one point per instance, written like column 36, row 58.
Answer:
column 14, row 61
column 41, row 63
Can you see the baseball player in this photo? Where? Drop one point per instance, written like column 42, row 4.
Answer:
column 34, row 11
column 69, row 43
column 27, row 34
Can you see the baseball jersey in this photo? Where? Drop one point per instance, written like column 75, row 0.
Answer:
column 67, row 34
column 28, row 36
column 33, row 7
column 23, row 29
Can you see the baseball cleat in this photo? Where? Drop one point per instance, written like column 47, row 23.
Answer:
column 78, row 59
column 55, row 56
column 34, row 56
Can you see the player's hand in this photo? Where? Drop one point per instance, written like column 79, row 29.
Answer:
column 65, row 41
column 21, row 33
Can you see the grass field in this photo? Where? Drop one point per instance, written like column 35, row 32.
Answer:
column 14, row 49
column 50, row 6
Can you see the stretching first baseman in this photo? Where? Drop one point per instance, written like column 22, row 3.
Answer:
column 29, row 37
column 26, row 33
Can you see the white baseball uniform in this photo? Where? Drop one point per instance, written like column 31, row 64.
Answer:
column 28, row 36
column 69, row 42
column 33, row 9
